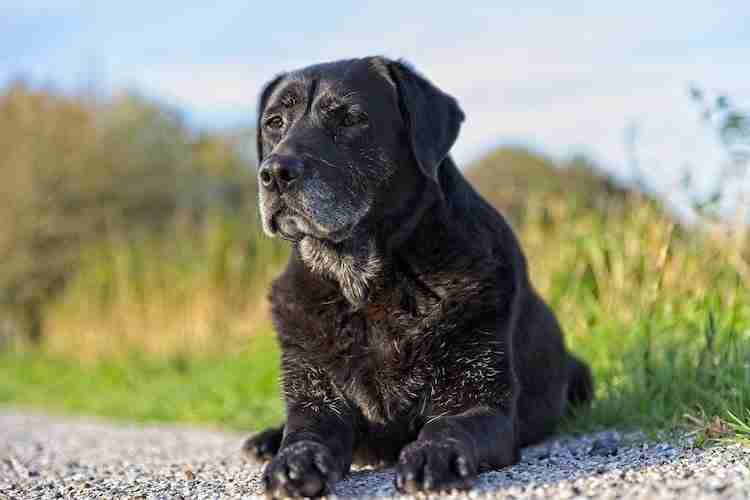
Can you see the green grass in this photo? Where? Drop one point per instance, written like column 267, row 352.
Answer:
column 667, row 376
column 661, row 315
column 740, row 425
column 180, row 275
column 649, row 379
column 238, row 391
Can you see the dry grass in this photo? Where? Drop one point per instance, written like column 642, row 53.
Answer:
column 106, row 200
column 149, row 239
column 200, row 292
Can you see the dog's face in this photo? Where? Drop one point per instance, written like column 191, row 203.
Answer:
column 327, row 135
column 337, row 140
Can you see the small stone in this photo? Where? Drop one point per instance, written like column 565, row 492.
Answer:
column 604, row 447
column 720, row 487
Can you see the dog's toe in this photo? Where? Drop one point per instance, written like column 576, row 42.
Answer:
column 304, row 469
column 433, row 466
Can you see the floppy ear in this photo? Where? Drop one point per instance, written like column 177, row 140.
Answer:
column 262, row 101
column 433, row 117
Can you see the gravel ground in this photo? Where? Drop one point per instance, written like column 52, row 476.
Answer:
column 62, row 457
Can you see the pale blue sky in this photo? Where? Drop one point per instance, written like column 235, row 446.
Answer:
column 559, row 76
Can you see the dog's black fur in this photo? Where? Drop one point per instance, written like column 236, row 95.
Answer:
column 409, row 330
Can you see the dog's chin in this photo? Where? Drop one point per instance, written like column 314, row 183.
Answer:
column 283, row 223
column 289, row 228
column 294, row 228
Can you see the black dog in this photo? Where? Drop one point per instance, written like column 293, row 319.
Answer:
column 409, row 330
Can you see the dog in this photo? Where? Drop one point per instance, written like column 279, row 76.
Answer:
column 409, row 331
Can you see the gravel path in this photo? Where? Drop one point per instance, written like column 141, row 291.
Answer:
column 62, row 457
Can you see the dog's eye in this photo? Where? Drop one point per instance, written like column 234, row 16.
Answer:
column 274, row 123
column 351, row 119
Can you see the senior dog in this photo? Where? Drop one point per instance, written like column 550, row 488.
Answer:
column 409, row 330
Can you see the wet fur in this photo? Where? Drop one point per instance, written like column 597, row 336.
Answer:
column 419, row 339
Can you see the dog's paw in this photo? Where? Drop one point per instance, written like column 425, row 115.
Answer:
column 302, row 469
column 263, row 446
column 434, row 466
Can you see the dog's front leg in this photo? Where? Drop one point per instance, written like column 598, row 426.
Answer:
column 318, row 442
column 451, row 450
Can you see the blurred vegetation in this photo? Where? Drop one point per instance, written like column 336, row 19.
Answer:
column 660, row 310
column 510, row 175
column 131, row 243
column 731, row 125
column 240, row 391
column 145, row 225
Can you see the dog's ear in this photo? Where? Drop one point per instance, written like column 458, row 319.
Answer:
column 432, row 116
column 265, row 94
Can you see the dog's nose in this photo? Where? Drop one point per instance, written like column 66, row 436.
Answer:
column 280, row 172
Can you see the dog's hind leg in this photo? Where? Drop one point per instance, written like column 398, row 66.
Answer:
column 580, row 383
column 263, row 446
column 540, row 413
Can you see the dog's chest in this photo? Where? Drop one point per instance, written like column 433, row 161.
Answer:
column 382, row 367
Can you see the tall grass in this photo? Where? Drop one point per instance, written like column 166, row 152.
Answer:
column 113, row 214
column 661, row 313
column 197, row 291
column 133, row 238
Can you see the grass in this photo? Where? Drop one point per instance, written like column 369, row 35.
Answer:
column 237, row 391
column 660, row 313
column 198, row 291
column 697, row 381
column 153, row 300
column 740, row 425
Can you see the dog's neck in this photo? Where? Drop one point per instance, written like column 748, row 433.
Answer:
column 360, row 264
column 356, row 265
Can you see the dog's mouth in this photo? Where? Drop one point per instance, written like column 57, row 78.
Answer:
column 292, row 225
column 288, row 225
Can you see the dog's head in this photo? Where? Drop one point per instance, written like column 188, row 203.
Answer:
column 343, row 143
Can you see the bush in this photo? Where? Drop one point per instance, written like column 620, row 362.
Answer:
column 510, row 176
column 80, row 172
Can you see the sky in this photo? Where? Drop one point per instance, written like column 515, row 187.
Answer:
column 560, row 77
